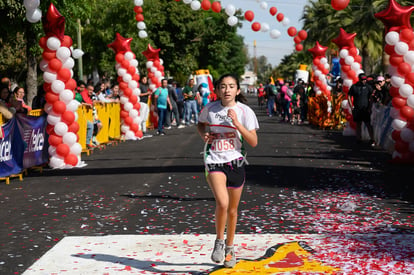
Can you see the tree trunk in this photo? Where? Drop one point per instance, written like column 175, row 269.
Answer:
column 31, row 79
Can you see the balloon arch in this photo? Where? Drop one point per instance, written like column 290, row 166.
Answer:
column 58, row 62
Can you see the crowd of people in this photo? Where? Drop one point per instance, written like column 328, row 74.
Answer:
column 12, row 99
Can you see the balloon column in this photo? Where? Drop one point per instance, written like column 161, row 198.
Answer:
column 155, row 74
column 350, row 62
column 33, row 13
column 139, row 17
column 57, row 64
column 399, row 40
column 128, row 79
column 320, row 69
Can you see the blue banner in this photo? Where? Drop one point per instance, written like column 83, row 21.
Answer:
column 11, row 149
column 33, row 133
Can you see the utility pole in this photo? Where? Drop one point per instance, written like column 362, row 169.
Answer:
column 255, row 59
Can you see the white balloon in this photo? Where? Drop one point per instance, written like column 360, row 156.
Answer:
column 63, row 53
column 409, row 57
column 31, row 4
column 130, row 135
column 405, row 90
column 138, row 3
column 263, row 5
column 345, row 105
column 154, row 69
column 285, row 21
column 410, row 101
column 264, row 27
column 344, row 53
column 48, row 108
column 34, row 16
column 407, row 134
column 129, row 55
column 133, row 62
column 230, row 10
column 73, row 105
column 195, row 5
column 53, row 43
column 275, row 34
column 121, row 71
column 56, row 162
column 77, row 53
column 392, row 38
column 401, row 48
column 161, row 61
column 76, row 149
column 149, row 64
column 141, row 25
column 355, row 66
column 51, row 150
column 397, row 81
column 58, row 86
column 152, row 87
column 398, row 124
column 61, row 128
column 136, row 91
column 69, row 138
column 142, row 34
column 132, row 84
column 123, row 99
column 69, row 63
column 318, row 92
column 52, row 119
column 128, row 106
column 348, row 82
column 158, row 74
column 187, row 1
column 66, row 96
column 232, row 21
column 124, row 128
column 43, row 65
column 317, row 72
column 49, row 77
column 133, row 113
column 127, row 77
column 349, row 60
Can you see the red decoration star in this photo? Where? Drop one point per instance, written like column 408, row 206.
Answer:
column 54, row 23
column 344, row 39
column 120, row 44
column 395, row 17
column 151, row 54
column 318, row 50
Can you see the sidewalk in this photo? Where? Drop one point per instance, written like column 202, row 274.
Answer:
column 302, row 182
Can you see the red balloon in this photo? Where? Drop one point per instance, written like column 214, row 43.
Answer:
column 358, row 59
column 51, row 97
column 396, row 135
column 131, row 70
column 55, row 64
column 353, row 51
column 299, row 47
column 398, row 102
column 280, row 17
column 127, row 92
column 136, row 77
column 316, row 61
column 71, row 84
column 64, row 74
column 137, row 106
column 59, row 107
column 157, row 63
column 43, row 42
column 346, row 68
column 406, row 35
column 351, row 74
column 249, row 15
column 389, row 49
column 339, row 4
column 139, row 134
column 134, row 127
column 54, row 23
column 139, row 17
column 119, row 57
column 409, row 78
column 63, row 150
column 125, row 64
column 297, row 40
column 124, row 114
column 123, row 85
column 292, row 31
column 120, row 44
column 71, row 159
column 138, row 9
column 133, row 99
column 50, row 129
column 67, row 41
column 68, row 117
column 302, row 34
column 216, row 7
column 395, row 16
column 74, row 127
column 396, row 59
column 205, row 5
column 273, row 11
column 256, row 26
column 394, row 91
column 404, row 68
column 318, row 50
column 344, row 39
column 128, row 121
column 55, row 140
column 407, row 112
column 48, row 55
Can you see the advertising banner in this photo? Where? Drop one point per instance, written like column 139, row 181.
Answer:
column 11, row 149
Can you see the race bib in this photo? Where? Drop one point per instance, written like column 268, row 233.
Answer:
column 223, row 142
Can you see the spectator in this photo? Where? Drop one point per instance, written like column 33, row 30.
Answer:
column 359, row 99
column 270, row 98
column 114, row 93
column 285, row 90
column 17, row 101
column 100, row 93
column 39, row 100
column 174, row 111
column 180, row 102
column 162, row 102
column 5, row 109
column 260, row 96
column 143, row 101
column 95, row 126
column 191, row 96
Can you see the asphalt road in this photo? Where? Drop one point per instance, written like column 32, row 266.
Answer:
column 296, row 176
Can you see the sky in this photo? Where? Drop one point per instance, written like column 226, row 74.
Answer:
column 273, row 49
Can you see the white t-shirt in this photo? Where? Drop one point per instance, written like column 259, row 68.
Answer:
column 228, row 142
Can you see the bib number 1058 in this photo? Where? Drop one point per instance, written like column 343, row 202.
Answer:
column 221, row 145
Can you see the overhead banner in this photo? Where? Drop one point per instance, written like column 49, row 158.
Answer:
column 11, row 149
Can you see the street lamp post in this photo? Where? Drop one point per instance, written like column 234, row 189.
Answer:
column 80, row 65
